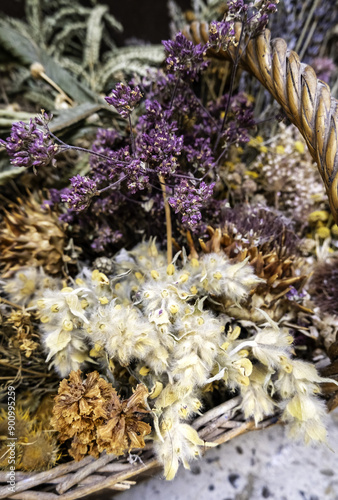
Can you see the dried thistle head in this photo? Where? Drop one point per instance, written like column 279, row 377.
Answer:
column 31, row 236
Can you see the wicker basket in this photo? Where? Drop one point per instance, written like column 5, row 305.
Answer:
column 308, row 104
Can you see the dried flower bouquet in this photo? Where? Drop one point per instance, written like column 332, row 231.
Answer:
column 161, row 279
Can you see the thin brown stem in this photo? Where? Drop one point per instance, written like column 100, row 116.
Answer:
column 56, row 87
column 167, row 219
column 27, row 370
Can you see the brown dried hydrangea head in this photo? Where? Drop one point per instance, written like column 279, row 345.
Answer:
column 91, row 414
column 78, row 406
column 31, row 236
column 124, row 429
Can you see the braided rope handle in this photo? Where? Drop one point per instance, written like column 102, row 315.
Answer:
column 306, row 100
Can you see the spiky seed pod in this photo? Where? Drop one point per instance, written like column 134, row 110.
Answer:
column 31, row 236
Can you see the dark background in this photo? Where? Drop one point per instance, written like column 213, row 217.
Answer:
column 143, row 19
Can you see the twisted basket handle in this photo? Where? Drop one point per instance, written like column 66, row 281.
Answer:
column 306, row 100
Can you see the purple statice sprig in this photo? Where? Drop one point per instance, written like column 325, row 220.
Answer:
column 79, row 196
column 188, row 200
column 254, row 16
column 157, row 143
column 222, row 35
column 124, row 99
column 184, row 59
column 30, row 144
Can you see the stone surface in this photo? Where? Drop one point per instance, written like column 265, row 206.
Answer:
column 255, row 466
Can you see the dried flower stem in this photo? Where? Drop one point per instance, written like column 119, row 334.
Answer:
column 33, row 372
column 5, row 301
column 78, row 148
column 55, row 86
column 44, row 477
column 221, row 409
column 168, row 220
column 132, row 138
column 84, row 472
column 232, row 82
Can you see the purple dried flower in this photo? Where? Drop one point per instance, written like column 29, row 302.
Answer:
column 294, row 295
column 104, row 144
column 184, row 59
column 258, row 21
column 124, row 99
column 79, row 195
column 157, row 142
column 200, row 155
column 222, row 35
column 30, row 146
column 137, row 178
column 106, row 238
column 188, row 200
column 236, row 7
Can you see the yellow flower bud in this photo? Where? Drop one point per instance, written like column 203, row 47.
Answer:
column 41, row 304
column 323, row 232
column 244, row 380
column 96, row 351
column 194, row 262
column 299, row 146
column 45, row 319
column 95, row 274
column 235, row 333
column 67, row 289
column 319, row 215
column 183, row 278
column 173, row 309
column 193, row 290
column 156, row 390
column 217, row 275
column 84, row 303
column 103, row 280
column 244, row 353
column 170, row 269
column 154, row 274
column 79, row 282
column 55, row 308
column 103, row 301
column 67, row 325
column 144, row 371
column 280, row 150
column 138, row 276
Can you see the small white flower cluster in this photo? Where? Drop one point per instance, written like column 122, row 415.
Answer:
column 158, row 320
